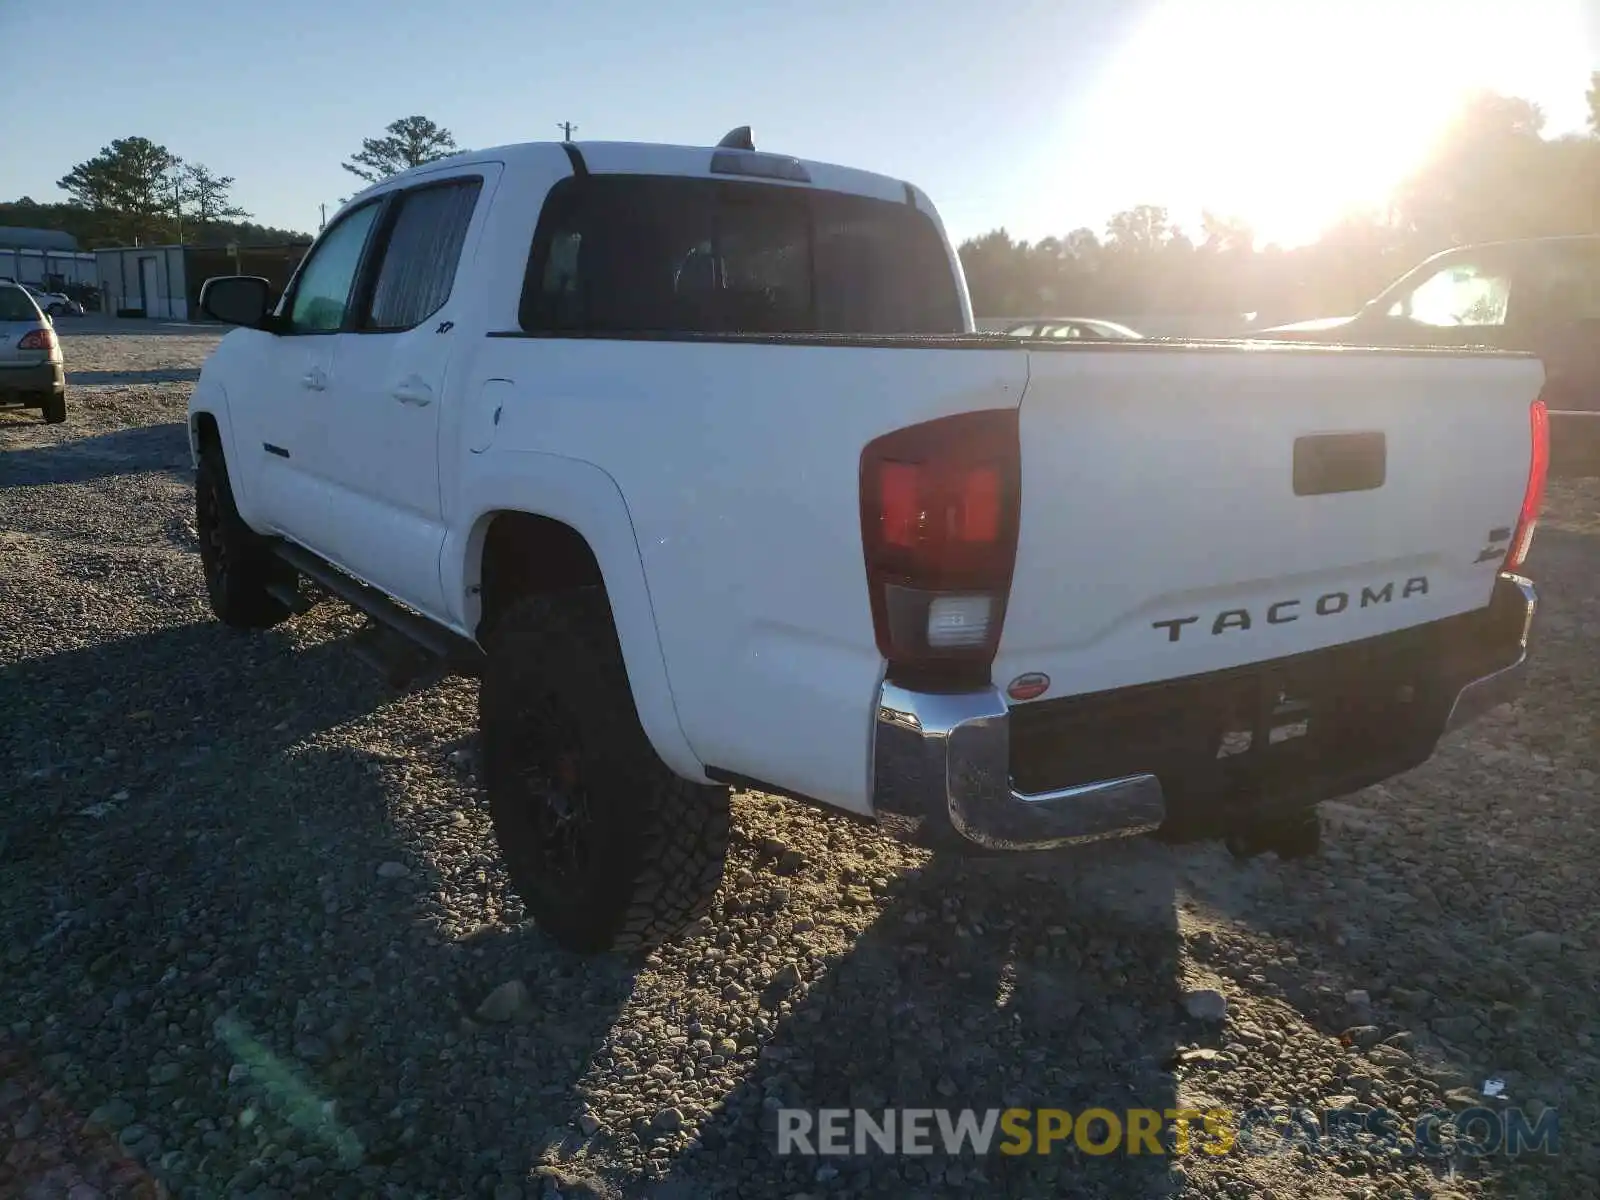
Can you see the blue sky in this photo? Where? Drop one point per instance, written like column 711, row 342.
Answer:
column 1039, row 117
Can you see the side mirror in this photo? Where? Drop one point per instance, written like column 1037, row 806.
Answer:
column 237, row 300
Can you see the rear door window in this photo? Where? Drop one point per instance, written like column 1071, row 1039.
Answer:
column 422, row 249
column 1559, row 285
column 621, row 254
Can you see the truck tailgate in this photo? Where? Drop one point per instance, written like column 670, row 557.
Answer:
column 1191, row 509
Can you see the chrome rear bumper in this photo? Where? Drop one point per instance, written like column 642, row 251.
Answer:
column 942, row 766
column 1497, row 687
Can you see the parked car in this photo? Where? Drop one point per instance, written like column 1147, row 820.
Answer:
column 1539, row 295
column 31, row 372
column 1091, row 328
column 717, row 487
column 54, row 304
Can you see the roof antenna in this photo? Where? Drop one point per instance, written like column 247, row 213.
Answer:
column 737, row 139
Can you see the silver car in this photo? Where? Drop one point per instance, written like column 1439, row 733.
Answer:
column 31, row 372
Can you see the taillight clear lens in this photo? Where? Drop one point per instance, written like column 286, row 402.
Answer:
column 939, row 516
column 1533, row 494
column 959, row 621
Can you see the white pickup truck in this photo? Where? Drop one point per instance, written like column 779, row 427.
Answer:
column 693, row 454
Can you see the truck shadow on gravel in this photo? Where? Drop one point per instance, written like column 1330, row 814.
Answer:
column 158, row 717
column 1443, row 914
column 130, row 451
column 216, row 943
column 99, row 325
column 132, row 378
column 984, row 985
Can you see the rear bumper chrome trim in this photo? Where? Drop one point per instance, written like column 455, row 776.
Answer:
column 1496, row 688
column 941, row 765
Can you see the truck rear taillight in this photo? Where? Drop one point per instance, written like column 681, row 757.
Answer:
column 38, row 339
column 1533, row 495
column 939, row 517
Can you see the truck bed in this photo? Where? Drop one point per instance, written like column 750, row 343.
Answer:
column 1157, row 485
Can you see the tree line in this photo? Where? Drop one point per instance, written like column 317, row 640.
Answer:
column 1492, row 175
column 138, row 192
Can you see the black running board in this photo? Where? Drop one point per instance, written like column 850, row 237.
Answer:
column 461, row 656
column 287, row 593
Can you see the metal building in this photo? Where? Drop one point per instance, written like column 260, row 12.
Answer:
column 163, row 282
column 47, row 258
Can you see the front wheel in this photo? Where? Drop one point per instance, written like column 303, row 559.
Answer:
column 607, row 846
column 237, row 563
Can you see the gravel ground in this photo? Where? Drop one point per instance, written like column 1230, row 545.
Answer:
column 255, row 941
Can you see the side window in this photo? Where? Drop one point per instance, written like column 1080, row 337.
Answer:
column 322, row 291
column 421, row 254
column 1460, row 294
column 1560, row 288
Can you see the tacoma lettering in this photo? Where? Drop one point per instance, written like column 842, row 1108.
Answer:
column 1234, row 618
column 1281, row 612
column 1172, row 627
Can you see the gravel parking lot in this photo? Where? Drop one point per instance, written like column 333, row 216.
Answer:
column 255, row 940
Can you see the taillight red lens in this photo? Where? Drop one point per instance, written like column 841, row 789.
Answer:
column 939, row 518
column 899, row 505
column 1533, row 494
column 38, row 339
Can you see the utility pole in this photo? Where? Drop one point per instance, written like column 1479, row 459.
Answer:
column 323, row 208
column 566, row 128
column 177, row 204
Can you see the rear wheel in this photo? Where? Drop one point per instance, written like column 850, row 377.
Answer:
column 237, row 562
column 608, row 847
column 54, row 408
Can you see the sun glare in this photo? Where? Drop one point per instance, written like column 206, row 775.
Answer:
column 1288, row 113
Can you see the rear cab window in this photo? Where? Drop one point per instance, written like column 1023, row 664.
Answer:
column 635, row 254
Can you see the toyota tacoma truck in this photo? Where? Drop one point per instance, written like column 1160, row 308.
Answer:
column 694, row 457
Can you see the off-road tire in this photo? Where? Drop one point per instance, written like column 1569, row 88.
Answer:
column 555, row 699
column 237, row 561
column 54, row 408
